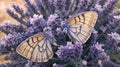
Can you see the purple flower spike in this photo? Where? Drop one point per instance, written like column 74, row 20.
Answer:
column 70, row 51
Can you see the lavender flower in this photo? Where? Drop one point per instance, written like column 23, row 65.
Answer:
column 117, row 17
column 97, row 53
column 12, row 39
column 38, row 23
column 51, row 19
column 11, row 13
column 70, row 51
column 57, row 65
column 14, row 15
column 96, row 49
column 32, row 64
column 84, row 62
column 8, row 27
column 98, row 7
column 115, row 36
column 58, row 30
column 17, row 8
column 30, row 8
column 2, row 65
column 102, row 2
column 29, row 64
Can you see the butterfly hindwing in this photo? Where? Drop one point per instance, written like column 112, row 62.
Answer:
column 37, row 48
column 81, row 26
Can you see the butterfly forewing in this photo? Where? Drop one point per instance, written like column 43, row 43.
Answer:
column 81, row 25
column 37, row 48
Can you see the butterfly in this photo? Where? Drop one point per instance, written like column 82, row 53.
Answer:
column 79, row 27
column 38, row 47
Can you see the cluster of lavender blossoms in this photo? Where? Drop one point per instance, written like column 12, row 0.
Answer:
column 70, row 51
column 101, row 50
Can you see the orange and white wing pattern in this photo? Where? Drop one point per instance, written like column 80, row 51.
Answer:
column 81, row 26
column 36, row 48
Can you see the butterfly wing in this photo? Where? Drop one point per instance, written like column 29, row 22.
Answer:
column 37, row 48
column 81, row 26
